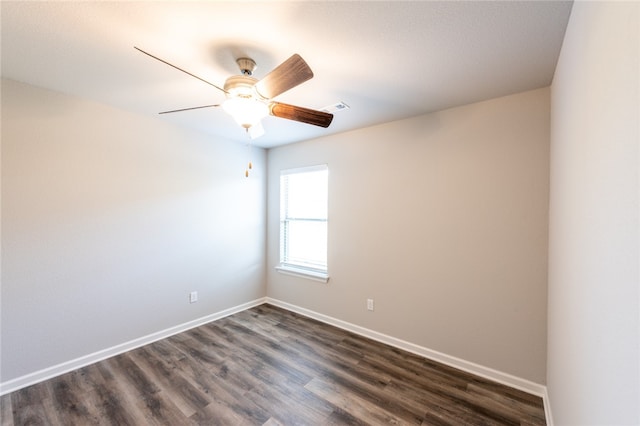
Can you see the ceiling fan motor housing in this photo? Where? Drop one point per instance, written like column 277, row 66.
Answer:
column 240, row 85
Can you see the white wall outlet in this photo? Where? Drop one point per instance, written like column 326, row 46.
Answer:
column 193, row 297
column 370, row 304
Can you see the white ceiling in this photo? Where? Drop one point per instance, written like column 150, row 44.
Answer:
column 386, row 60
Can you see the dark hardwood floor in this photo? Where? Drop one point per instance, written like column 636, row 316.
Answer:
column 269, row 366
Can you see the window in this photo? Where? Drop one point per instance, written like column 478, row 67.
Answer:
column 303, row 221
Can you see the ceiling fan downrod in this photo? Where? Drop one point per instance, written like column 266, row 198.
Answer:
column 247, row 65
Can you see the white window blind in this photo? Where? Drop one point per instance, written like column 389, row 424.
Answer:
column 303, row 219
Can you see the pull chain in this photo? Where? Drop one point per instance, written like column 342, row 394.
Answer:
column 250, row 164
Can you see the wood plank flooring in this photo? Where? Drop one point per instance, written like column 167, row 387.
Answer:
column 269, row 366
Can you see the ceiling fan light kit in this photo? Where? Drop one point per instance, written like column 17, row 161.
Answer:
column 243, row 103
column 247, row 112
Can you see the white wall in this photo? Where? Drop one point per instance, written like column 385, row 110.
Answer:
column 109, row 220
column 442, row 220
column 594, row 281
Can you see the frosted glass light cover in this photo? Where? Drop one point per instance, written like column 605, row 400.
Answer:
column 246, row 111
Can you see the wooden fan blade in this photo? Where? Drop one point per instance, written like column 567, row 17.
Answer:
column 285, row 76
column 179, row 69
column 304, row 115
column 189, row 109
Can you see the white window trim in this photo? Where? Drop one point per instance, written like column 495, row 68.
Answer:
column 303, row 273
column 296, row 270
column 306, row 169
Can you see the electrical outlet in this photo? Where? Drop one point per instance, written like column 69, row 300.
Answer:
column 193, row 297
column 370, row 304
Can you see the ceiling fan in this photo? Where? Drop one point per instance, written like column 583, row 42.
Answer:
column 250, row 100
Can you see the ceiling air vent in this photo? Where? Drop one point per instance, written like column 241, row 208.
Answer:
column 335, row 107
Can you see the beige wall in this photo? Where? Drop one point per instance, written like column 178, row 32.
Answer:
column 594, row 235
column 109, row 220
column 442, row 220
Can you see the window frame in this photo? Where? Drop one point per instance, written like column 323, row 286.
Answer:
column 292, row 268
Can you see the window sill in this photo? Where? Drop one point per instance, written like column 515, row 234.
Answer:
column 303, row 273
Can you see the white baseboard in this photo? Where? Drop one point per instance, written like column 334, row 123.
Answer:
column 65, row 367
column 470, row 367
column 547, row 407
